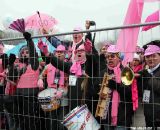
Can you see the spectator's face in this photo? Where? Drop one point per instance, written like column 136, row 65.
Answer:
column 136, row 62
column 103, row 50
column 112, row 59
column 80, row 55
column 1, row 49
column 141, row 54
column 152, row 60
column 60, row 55
column 25, row 53
column 77, row 37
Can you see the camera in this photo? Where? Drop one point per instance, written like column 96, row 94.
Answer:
column 92, row 23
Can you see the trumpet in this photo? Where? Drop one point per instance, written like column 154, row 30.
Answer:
column 127, row 76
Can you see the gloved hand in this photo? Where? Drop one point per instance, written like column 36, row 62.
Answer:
column 43, row 47
column 40, row 83
column 40, row 44
column 88, row 46
column 12, row 59
column 27, row 35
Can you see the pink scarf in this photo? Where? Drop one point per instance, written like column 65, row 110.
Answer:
column 134, row 88
column 76, row 69
column 115, row 97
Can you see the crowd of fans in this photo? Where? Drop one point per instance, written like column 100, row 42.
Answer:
column 75, row 73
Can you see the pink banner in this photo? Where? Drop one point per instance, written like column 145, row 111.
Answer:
column 147, row 0
column 127, row 39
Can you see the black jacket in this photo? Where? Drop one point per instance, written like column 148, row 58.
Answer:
column 76, row 93
column 125, row 109
column 151, row 83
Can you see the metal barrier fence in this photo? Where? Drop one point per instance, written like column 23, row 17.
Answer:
column 12, row 112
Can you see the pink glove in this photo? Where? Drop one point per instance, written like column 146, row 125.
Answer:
column 40, row 83
column 88, row 45
column 58, row 94
column 42, row 46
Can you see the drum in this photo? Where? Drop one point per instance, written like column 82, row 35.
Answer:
column 80, row 118
column 48, row 100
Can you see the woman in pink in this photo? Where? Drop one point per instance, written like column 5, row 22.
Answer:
column 25, row 103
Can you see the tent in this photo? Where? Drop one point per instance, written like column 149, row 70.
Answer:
column 15, row 50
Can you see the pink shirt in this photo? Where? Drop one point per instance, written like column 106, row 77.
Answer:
column 28, row 79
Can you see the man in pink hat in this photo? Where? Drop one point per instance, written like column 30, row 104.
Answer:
column 150, row 85
column 78, row 40
column 119, row 112
column 56, row 80
column 78, row 71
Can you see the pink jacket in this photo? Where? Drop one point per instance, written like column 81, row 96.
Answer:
column 28, row 79
column 51, row 76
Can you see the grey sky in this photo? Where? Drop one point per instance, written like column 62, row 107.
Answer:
column 74, row 12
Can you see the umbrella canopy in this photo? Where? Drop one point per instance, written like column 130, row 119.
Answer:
column 15, row 50
column 151, row 18
column 40, row 21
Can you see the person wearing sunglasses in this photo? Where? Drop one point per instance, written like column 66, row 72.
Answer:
column 119, row 112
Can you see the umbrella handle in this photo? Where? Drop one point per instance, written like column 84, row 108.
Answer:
column 40, row 19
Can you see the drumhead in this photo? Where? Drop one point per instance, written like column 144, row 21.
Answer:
column 73, row 113
column 47, row 93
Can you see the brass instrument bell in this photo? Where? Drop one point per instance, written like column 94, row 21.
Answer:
column 127, row 76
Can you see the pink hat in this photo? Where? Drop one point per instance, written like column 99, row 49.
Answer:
column 61, row 48
column 151, row 49
column 77, row 28
column 139, row 49
column 112, row 49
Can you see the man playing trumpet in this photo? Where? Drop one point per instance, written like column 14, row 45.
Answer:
column 119, row 113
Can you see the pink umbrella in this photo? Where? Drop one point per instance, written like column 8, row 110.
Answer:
column 40, row 21
column 151, row 18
